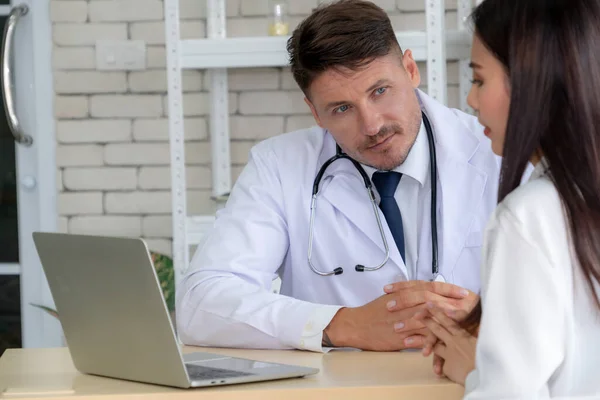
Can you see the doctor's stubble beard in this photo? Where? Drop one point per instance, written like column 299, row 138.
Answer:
column 388, row 163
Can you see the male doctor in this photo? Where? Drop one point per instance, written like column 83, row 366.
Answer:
column 362, row 91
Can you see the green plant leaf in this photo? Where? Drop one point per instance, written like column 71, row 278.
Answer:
column 166, row 275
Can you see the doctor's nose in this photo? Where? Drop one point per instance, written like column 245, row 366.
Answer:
column 371, row 123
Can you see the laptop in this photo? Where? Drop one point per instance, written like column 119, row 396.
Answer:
column 115, row 319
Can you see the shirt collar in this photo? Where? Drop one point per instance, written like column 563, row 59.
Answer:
column 540, row 169
column 416, row 164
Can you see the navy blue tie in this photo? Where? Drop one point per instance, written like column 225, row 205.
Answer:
column 386, row 184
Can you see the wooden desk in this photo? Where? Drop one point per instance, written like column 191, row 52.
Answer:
column 49, row 373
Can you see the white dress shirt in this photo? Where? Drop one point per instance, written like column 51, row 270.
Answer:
column 413, row 196
column 540, row 331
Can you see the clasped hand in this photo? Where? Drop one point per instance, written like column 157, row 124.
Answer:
column 415, row 297
column 388, row 324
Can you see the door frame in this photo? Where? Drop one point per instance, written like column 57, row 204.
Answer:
column 37, row 208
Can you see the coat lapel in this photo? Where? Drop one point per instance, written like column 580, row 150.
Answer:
column 460, row 184
column 343, row 187
column 462, row 188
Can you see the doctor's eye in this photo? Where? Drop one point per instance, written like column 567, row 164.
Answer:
column 341, row 109
column 380, row 91
column 477, row 82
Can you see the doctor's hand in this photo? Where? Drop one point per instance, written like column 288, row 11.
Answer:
column 372, row 327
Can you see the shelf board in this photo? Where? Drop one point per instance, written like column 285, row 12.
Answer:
column 10, row 269
column 270, row 51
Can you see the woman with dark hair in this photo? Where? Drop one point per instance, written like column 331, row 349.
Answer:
column 536, row 89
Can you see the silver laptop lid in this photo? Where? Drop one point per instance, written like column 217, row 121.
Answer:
column 111, row 307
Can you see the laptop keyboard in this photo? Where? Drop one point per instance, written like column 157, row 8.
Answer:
column 200, row 372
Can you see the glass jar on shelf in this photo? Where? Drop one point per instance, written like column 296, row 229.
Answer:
column 278, row 24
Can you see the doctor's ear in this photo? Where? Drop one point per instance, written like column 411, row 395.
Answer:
column 313, row 111
column 411, row 68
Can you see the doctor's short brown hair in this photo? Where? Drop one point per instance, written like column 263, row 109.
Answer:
column 343, row 34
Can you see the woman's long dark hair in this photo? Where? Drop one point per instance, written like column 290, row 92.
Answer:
column 551, row 52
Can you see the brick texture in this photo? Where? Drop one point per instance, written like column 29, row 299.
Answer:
column 113, row 156
column 73, row 58
column 80, row 203
column 83, row 34
column 125, row 10
column 74, row 82
column 68, row 11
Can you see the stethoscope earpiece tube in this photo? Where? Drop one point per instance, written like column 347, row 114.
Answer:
column 433, row 166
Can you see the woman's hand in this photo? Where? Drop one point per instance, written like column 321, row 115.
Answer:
column 455, row 347
column 431, row 340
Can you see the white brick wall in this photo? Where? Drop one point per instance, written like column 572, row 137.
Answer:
column 125, row 10
column 82, row 34
column 69, row 11
column 94, row 131
column 278, row 103
column 151, row 130
column 73, row 58
column 73, row 82
column 106, row 225
column 71, row 107
column 112, row 127
column 79, row 155
column 125, row 106
column 80, row 203
column 155, row 178
column 105, row 178
column 137, row 154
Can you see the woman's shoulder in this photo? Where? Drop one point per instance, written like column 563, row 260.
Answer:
column 534, row 209
column 534, row 197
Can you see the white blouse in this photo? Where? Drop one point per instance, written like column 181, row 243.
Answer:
column 540, row 331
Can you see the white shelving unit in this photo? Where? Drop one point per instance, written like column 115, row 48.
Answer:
column 216, row 53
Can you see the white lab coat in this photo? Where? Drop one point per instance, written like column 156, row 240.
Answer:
column 225, row 299
column 540, row 330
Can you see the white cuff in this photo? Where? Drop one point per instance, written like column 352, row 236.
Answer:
column 312, row 334
column 471, row 381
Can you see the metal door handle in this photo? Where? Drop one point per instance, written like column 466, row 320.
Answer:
column 7, row 84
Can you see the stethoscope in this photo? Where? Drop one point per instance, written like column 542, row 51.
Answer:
column 339, row 154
